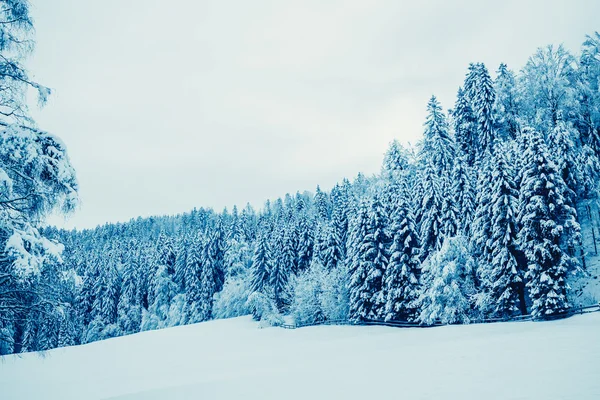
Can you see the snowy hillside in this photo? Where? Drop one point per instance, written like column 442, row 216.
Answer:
column 234, row 359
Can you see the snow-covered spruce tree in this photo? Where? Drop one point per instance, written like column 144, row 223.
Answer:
column 281, row 269
column 430, row 229
column 238, row 254
column 193, row 283
column 304, row 243
column 448, row 286
column 339, row 214
column 331, row 254
column 451, row 218
column 261, row 265
column 396, row 171
column 322, row 204
column 36, row 178
column 463, row 194
column 215, row 250
column 165, row 291
column 502, row 276
column 211, row 273
column 129, row 310
column 562, row 142
column 401, row 278
column 180, row 260
column 481, row 227
column 471, row 83
column 366, row 284
column 209, row 276
column 395, row 158
column 249, row 223
column 465, row 127
column 547, row 223
column 483, row 108
column 437, row 147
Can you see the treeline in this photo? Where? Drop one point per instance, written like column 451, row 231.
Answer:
column 478, row 220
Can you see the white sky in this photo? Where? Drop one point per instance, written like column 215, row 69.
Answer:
column 168, row 105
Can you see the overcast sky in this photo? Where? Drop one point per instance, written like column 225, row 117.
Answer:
column 169, row 105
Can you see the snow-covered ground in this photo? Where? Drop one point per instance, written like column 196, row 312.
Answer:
column 234, row 359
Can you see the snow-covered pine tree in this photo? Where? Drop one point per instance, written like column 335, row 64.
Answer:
column 367, row 299
column 562, row 141
column 437, row 147
column 465, row 127
column 193, row 283
column 483, row 107
column 128, row 309
column 547, row 222
column 281, row 269
column 481, row 227
column 471, row 83
column 401, row 278
column 431, row 213
column 357, row 231
column 180, row 260
column 395, row 158
column 503, row 279
column 462, row 192
column 304, row 243
column 339, row 214
column 450, row 213
column 331, row 254
column 321, row 204
column 212, row 275
column 261, row 265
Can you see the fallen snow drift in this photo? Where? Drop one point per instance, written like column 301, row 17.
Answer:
column 234, row 359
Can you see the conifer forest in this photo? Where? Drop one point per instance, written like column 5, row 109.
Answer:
column 481, row 219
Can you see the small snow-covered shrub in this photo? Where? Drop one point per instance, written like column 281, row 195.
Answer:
column 176, row 315
column 448, row 284
column 232, row 300
column 263, row 309
column 150, row 321
column 306, row 304
column 335, row 298
column 320, row 295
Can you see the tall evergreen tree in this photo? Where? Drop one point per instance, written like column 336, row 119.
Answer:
column 367, row 299
column 503, row 278
column 261, row 265
column 483, row 107
column 193, row 280
column 280, row 271
column 332, row 255
column 438, row 145
column 401, row 278
column 547, row 222
column 465, row 127
column 431, row 215
column 462, row 192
